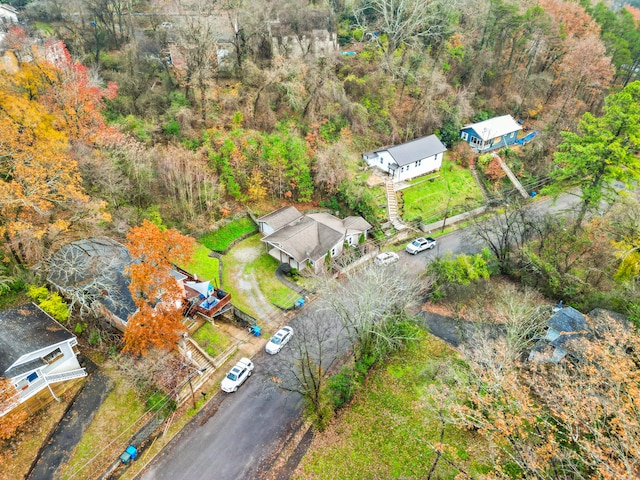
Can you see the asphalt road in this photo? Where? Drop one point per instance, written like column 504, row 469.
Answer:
column 249, row 426
column 235, row 442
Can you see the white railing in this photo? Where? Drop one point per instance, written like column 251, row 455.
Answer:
column 62, row 376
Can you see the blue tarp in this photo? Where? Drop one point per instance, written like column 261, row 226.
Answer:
column 527, row 138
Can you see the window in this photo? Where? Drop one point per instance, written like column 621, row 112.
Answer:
column 381, row 160
column 465, row 136
column 52, row 356
column 418, row 163
column 408, row 167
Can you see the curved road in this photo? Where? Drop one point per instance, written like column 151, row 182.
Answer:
column 241, row 438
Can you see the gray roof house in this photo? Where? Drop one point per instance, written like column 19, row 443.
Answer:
column 277, row 219
column 307, row 239
column 35, row 351
column 408, row 160
column 90, row 273
column 567, row 328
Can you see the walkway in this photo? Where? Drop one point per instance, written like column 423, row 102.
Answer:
column 512, row 177
column 70, row 429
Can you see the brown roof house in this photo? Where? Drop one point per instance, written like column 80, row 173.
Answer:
column 305, row 240
column 35, row 351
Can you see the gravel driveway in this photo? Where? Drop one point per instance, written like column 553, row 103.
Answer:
column 237, row 260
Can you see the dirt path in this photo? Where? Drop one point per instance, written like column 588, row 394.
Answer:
column 248, row 283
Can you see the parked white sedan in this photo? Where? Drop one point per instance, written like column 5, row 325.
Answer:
column 279, row 340
column 386, row 258
column 237, row 375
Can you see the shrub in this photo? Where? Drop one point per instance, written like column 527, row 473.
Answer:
column 56, row 307
column 52, row 303
column 342, row 387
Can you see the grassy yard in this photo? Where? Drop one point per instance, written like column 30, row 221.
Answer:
column 246, row 264
column 115, row 419
column 203, row 265
column 211, row 340
column 428, row 196
column 389, row 432
column 220, row 240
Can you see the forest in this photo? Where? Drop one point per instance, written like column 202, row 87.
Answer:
column 130, row 118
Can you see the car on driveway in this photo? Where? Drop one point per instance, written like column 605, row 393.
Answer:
column 386, row 258
column 237, row 375
column 421, row 244
column 279, row 340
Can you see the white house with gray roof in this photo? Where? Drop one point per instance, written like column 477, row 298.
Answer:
column 307, row 239
column 35, row 351
column 408, row 160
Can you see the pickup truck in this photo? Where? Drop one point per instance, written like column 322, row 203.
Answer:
column 237, row 375
column 421, row 244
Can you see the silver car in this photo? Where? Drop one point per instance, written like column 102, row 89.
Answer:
column 279, row 340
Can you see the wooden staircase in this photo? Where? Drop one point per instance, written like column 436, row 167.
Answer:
column 392, row 206
column 197, row 356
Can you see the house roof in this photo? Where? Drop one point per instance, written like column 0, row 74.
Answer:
column 568, row 320
column 97, row 265
column 281, row 217
column 26, row 329
column 307, row 239
column 494, row 127
column 8, row 8
column 415, row 150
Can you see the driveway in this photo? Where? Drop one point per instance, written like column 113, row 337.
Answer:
column 235, row 262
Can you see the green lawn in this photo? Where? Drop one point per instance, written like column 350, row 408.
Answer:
column 203, row 265
column 211, row 340
column 388, row 432
column 261, row 268
column 220, row 240
column 428, row 196
column 264, row 269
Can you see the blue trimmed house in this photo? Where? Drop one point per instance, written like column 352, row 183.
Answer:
column 490, row 134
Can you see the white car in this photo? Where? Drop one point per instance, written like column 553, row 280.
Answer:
column 421, row 244
column 279, row 340
column 386, row 258
column 237, row 375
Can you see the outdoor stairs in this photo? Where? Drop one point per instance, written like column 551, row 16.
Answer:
column 62, row 376
column 392, row 206
column 198, row 358
column 512, row 177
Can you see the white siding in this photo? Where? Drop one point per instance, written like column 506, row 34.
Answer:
column 381, row 160
column 421, row 167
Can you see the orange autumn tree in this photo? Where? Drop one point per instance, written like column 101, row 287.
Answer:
column 46, row 102
column 158, row 321
column 11, row 421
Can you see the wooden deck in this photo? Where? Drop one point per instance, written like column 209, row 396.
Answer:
column 208, row 307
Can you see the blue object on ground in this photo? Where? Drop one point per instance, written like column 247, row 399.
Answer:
column 299, row 303
column 533, row 194
column 527, row 138
column 255, row 330
column 348, row 53
column 129, row 454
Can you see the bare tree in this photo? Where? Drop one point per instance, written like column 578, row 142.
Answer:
column 507, row 231
column 89, row 274
column 404, row 22
column 371, row 303
column 199, row 38
column 315, row 349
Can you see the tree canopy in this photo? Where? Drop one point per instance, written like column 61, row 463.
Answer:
column 156, row 293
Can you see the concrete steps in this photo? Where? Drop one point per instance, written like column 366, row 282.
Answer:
column 392, row 206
